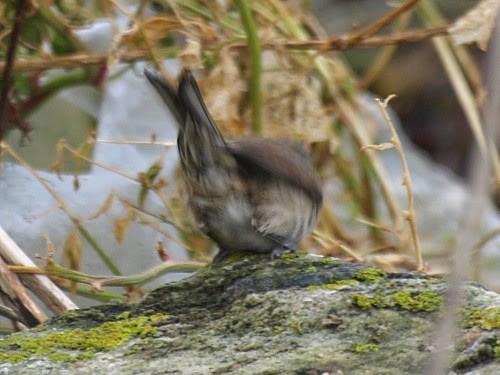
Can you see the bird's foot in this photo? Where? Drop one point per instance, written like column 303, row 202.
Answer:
column 221, row 255
column 278, row 251
column 283, row 246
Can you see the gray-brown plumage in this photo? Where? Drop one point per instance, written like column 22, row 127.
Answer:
column 255, row 195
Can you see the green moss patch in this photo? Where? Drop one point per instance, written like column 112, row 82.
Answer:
column 424, row 301
column 358, row 347
column 367, row 302
column 77, row 344
column 335, row 285
column 370, row 275
column 487, row 319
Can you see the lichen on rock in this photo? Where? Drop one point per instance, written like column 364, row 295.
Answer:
column 291, row 314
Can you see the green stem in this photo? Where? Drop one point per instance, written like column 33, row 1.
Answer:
column 99, row 250
column 54, row 269
column 254, row 49
column 89, row 292
column 73, row 217
column 59, row 26
column 56, row 84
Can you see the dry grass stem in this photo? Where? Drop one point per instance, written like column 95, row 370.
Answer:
column 77, row 155
column 410, row 213
column 376, row 26
column 451, row 63
column 132, row 142
column 83, row 59
column 326, row 241
column 4, row 147
column 358, row 128
column 329, row 44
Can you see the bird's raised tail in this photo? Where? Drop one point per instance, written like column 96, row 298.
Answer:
column 168, row 93
column 202, row 148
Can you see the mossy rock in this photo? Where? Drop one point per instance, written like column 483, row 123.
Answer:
column 295, row 314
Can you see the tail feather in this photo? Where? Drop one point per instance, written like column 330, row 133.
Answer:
column 200, row 142
column 190, row 95
column 202, row 148
column 168, row 94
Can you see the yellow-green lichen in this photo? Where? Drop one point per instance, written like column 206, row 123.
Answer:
column 367, row 302
column 68, row 315
column 296, row 326
column 427, row 300
column 370, row 275
column 71, row 345
column 335, row 285
column 487, row 319
column 290, row 255
column 424, row 301
column 358, row 347
column 125, row 315
column 331, row 261
column 277, row 330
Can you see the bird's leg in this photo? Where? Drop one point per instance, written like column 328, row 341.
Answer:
column 283, row 245
column 221, row 255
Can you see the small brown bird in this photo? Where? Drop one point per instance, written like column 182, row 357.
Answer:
column 255, row 195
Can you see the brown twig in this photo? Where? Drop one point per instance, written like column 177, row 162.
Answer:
column 9, row 63
column 385, row 54
column 334, row 43
column 15, row 294
column 342, row 42
column 41, row 286
column 374, row 27
column 78, row 60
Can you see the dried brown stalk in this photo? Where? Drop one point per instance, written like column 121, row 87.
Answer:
column 329, row 44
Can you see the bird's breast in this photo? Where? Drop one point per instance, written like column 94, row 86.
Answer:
column 229, row 222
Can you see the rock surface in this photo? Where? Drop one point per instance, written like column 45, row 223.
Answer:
column 292, row 315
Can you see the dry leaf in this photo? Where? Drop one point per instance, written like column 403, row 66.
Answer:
column 201, row 30
column 104, row 207
column 72, row 250
column 476, row 25
column 162, row 252
column 56, row 167
column 121, row 225
column 292, row 104
column 191, row 55
column 153, row 29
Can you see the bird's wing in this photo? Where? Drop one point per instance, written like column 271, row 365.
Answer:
column 279, row 159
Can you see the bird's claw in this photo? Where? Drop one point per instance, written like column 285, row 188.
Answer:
column 284, row 246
